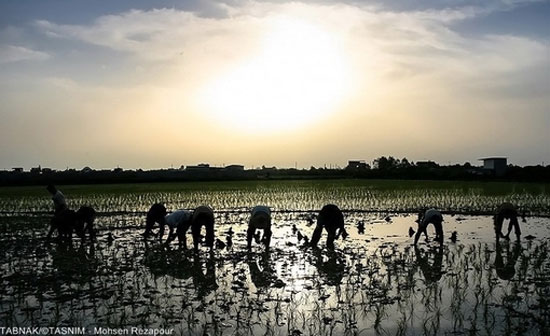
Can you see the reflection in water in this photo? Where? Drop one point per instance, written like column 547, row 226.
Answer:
column 508, row 270
column 162, row 261
column 77, row 265
column 205, row 282
column 331, row 266
column 432, row 273
column 177, row 264
column 262, row 272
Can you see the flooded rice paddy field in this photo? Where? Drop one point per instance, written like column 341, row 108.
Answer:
column 375, row 282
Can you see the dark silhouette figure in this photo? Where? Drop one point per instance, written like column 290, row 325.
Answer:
column 432, row 273
column 155, row 215
column 68, row 221
column 260, row 218
column 431, row 216
column 58, row 199
column 506, row 211
column 508, row 270
column 84, row 222
column 331, row 218
column 60, row 207
column 203, row 216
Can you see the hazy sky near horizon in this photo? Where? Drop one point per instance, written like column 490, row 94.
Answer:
column 149, row 84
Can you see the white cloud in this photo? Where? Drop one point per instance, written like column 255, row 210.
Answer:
column 12, row 53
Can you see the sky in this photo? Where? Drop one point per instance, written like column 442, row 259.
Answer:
column 153, row 84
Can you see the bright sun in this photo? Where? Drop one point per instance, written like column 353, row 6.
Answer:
column 298, row 77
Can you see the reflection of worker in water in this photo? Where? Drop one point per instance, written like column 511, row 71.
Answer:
column 506, row 211
column 331, row 218
column 331, row 269
column 204, row 282
column 432, row 273
column 506, row 272
column 262, row 272
column 260, row 219
column 434, row 217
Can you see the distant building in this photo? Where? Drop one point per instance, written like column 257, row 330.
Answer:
column 235, row 167
column 36, row 170
column 495, row 165
column 357, row 165
column 200, row 167
column 17, row 170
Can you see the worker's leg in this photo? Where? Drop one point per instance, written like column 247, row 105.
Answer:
column 210, row 233
column 53, row 227
column 514, row 223
column 196, row 231
column 316, row 234
column 331, row 235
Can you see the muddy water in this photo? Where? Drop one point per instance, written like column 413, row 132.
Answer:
column 375, row 282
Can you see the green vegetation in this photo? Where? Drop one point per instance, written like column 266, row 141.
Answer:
column 300, row 195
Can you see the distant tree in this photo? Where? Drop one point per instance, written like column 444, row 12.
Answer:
column 404, row 163
column 386, row 163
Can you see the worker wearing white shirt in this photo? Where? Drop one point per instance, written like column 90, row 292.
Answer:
column 58, row 199
column 179, row 220
column 60, row 208
column 260, row 218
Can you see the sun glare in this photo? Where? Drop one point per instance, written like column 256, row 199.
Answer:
column 298, row 77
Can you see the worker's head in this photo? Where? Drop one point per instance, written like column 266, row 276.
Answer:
column 156, row 214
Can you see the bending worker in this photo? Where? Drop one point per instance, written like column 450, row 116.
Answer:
column 260, row 218
column 507, row 211
column 434, row 217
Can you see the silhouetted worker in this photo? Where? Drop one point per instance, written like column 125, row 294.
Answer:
column 84, row 222
column 260, row 219
column 434, row 217
column 155, row 215
column 507, row 211
column 331, row 218
column 507, row 272
column 203, row 216
column 179, row 220
column 60, row 208
column 432, row 273
column 58, row 199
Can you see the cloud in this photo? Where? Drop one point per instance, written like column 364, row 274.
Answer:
column 424, row 90
column 13, row 53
